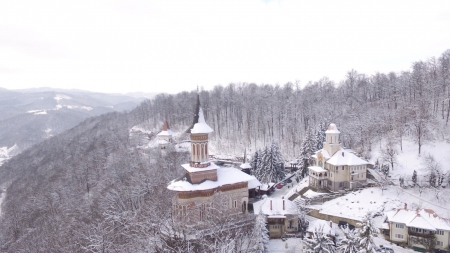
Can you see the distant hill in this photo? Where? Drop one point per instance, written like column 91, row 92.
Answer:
column 29, row 116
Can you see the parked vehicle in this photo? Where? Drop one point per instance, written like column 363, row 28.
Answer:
column 386, row 248
column 279, row 186
column 288, row 181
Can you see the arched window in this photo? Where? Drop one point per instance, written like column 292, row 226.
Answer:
column 244, row 206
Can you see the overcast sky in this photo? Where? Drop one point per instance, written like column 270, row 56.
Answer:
column 171, row 46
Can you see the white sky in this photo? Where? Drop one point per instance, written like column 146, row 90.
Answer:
column 171, row 46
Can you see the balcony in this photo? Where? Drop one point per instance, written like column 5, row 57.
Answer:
column 419, row 234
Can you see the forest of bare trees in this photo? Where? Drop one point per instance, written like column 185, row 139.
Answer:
column 90, row 190
column 414, row 103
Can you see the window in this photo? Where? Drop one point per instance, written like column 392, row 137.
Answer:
column 202, row 211
column 342, row 167
column 235, row 204
column 399, row 236
column 440, row 232
column 397, row 225
column 439, row 243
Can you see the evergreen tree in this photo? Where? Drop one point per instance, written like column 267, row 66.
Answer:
column 272, row 165
column 385, row 170
column 256, row 162
column 432, row 179
column 320, row 242
column 401, row 180
column 307, row 149
column 350, row 243
column 414, row 177
column 367, row 233
column 261, row 233
column 320, row 135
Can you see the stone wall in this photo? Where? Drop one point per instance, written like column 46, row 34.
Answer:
column 335, row 219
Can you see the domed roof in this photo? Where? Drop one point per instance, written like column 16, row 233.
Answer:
column 332, row 129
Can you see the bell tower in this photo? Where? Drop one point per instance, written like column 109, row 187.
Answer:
column 331, row 144
column 199, row 142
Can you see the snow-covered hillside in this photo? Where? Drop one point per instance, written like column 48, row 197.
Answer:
column 6, row 153
column 408, row 160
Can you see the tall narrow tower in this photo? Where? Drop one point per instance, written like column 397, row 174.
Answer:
column 199, row 142
column 331, row 144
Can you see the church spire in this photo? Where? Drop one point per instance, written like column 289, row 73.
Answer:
column 196, row 114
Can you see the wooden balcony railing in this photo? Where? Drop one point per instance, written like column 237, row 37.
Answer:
column 413, row 233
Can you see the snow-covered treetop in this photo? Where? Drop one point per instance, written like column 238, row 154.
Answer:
column 201, row 127
column 332, row 129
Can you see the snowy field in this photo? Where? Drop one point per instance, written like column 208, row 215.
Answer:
column 408, row 160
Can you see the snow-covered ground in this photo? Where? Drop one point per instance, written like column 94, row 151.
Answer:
column 408, row 160
column 289, row 245
column 6, row 153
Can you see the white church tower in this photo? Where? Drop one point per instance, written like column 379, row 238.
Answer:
column 331, row 144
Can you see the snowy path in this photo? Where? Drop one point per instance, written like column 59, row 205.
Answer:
column 293, row 245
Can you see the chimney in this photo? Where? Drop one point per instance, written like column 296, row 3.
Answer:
column 270, row 204
column 342, row 153
column 406, row 205
column 283, row 204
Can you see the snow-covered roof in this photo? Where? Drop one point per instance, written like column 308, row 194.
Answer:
column 225, row 176
column 324, row 153
column 343, row 157
column 318, row 224
column 265, row 187
column 201, row 127
column 165, row 130
column 166, row 133
column 276, row 211
column 245, row 166
column 317, row 169
column 188, row 167
column 162, row 142
column 254, row 183
column 332, row 129
column 311, row 194
column 420, row 218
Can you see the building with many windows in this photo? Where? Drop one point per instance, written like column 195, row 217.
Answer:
column 335, row 168
column 416, row 227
